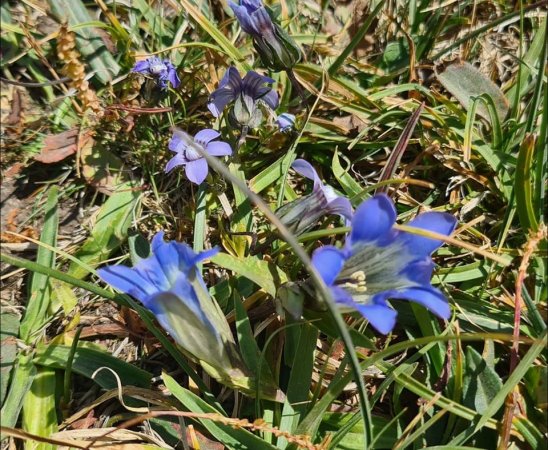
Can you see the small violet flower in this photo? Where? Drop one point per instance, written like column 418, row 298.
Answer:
column 188, row 152
column 285, row 122
column 278, row 51
column 302, row 214
column 246, row 94
column 162, row 70
column 379, row 263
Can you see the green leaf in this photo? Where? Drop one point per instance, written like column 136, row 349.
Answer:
column 213, row 30
column 271, row 174
column 233, row 438
column 350, row 186
column 266, row 275
column 9, row 330
column 110, row 229
column 353, row 439
column 86, row 361
column 22, row 378
column 523, row 186
column 481, row 382
column 298, row 389
column 465, row 82
column 39, row 289
column 89, row 43
column 39, row 414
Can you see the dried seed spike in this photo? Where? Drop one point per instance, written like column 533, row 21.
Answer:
column 75, row 69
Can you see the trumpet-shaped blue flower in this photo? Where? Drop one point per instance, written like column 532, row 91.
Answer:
column 277, row 50
column 169, row 284
column 301, row 214
column 188, row 152
column 379, row 263
column 285, row 122
column 246, row 94
column 162, row 70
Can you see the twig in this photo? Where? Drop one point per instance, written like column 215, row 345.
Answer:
column 529, row 249
column 33, row 85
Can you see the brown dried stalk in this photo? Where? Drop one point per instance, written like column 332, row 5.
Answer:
column 511, row 401
column 75, row 70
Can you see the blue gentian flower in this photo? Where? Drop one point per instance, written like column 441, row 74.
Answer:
column 379, row 263
column 187, row 152
column 302, row 214
column 285, row 122
column 162, row 70
column 278, row 51
column 169, row 285
column 246, row 94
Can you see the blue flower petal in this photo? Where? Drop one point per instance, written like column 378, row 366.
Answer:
column 167, row 256
column 271, row 99
column 243, row 17
column 173, row 78
column 437, row 222
column 373, row 220
column 378, row 313
column 141, row 66
column 180, row 141
column 219, row 148
column 429, row 297
column 341, row 206
column 305, row 169
column 177, row 160
column 196, row 171
column 127, row 281
column 381, row 317
column 328, row 261
column 419, row 271
column 205, row 136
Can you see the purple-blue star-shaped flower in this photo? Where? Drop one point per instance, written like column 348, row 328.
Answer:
column 162, row 70
column 285, row 122
column 301, row 214
column 379, row 263
column 252, row 88
column 188, row 152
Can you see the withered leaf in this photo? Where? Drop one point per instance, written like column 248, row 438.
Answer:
column 60, row 146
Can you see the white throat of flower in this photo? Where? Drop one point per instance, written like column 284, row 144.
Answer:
column 372, row 269
column 192, row 151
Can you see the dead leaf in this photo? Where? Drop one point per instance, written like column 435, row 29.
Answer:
column 60, row 146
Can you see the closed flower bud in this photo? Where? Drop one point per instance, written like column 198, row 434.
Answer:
column 278, row 51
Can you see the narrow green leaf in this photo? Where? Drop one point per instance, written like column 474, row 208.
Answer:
column 86, row 361
column 9, row 330
column 216, row 34
column 524, row 185
column 22, row 378
column 110, row 229
column 298, row 389
column 350, row 186
column 233, row 438
column 39, row 290
column 39, row 414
